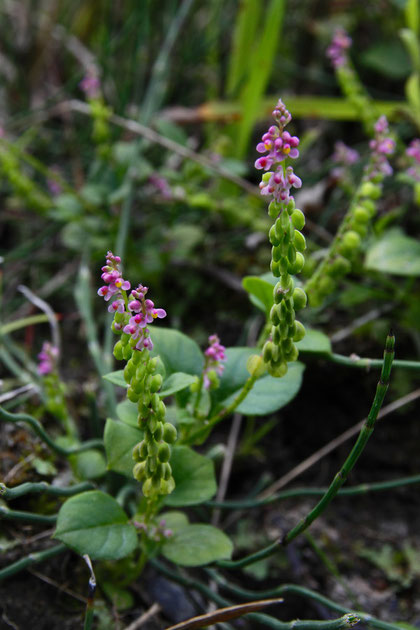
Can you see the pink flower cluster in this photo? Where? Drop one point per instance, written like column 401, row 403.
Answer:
column 381, row 146
column 343, row 156
column 214, row 354
column 90, row 84
column 413, row 152
column 136, row 312
column 279, row 145
column 47, row 358
column 337, row 50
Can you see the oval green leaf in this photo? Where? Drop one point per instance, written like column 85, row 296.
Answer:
column 92, row 522
column 120, row 439
column 195, row 481
column 395, row 253
column 178, row 352
column 196, row 545
column 176, row 382
column 314, row 341
column 116, row 378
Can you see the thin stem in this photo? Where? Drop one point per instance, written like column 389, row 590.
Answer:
column 42, row 487
column 227, row 411
column 30, row 560
column 41, row 433
column 285, row 589
column 340, row 477
column 359, row 362
column 363, row 488
column 23, row 323
column 28, row 517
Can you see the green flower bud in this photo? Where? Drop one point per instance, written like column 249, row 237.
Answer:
column 167, row 486
column 169, row 433
column 286, row 345
column 139, row 471
column 167, row 471
column 158, row 432
column 368, row 189
column 278, row 370
column 152, row 364
column 156, row 383
column 154, row 402
column 326, row 285
column 297, row 265
column 118, row 351
column 129, row 372
column 292, row 354
column 275, row 314
column 274, row 208
column 284, row 220
column 275, row 268
column 161, row 412
column 339, row 267
column 148, row 488
column 151, row 464
column 164, row 452
column 117, row 331
column 276, row 253
column 194, row 387
column 132, row 395
column 299, row 241
column 273, row 238
column 152, row 424
column 143, row 449
column 278, row 293
column 361, row 215
column 369, row 206
column 298, row 219
column 350, row 242
column 290, row 317
column 299, row 298
column 300, row 331
column 291, row 206
column 360, row 229
column 286, row 282
column 276, row 334
column 255, row 365
column 268, row 351
column 291, row 254
column 127, row 352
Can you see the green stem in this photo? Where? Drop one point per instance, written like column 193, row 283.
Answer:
column 22, row 323
column 227, row 411
column 364, row 363
column 28, row 517
column 363, row 488
column 42, row 487
column 41, row 433
column 286, row 589
column 30, row 560
column 340, row 477
column 347, row 621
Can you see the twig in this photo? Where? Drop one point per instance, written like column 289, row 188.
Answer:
column 335, row 443
column 27, row 517
column 58, row 586
column 16, row 392
column 43, row 306
column 30, row 560
column 227, row 464
column 42, row 487
column 153, row 610
column 360, row 321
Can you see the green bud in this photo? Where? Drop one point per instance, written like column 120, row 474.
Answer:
column 164, row 452
column 291, row 254
column 299, row 241
column 286, row 282
column 148, row 488
column 128, row 373
column 291, row 206
column 136, row 453
column 297, row 265
column 255, row 365
column 300, row 331
column 152, row 364
column 169, row 433
column 275, row 268
column 273, row 238
column 267, row 351
column 290, row 317
column 298, row 219
column 292, row 354
column 156, row 383
column 158, row 432
column 154, row 402
column 284, row 220
column 167, row 486
column 349, row 243
column 360, row 229
column 276, row 334
column 286, row 345
column 278, row 293
column 278, row 370
column 292, row 330
column 275, row 314
column 361, row 215
column 167, row 471
column 299, row 298
column 127, row 352
column 368, row 189
column 284, row 329
column 132, row 395
column 137, row 385
column 339, row 267
column 369, row 206
column 274, row 208
column 276, row 253
column 139, row 471
column 194, row 387
column 118, row 351
column 161, row 412
column 151, row 464
column 152, row 424
column 143, row 449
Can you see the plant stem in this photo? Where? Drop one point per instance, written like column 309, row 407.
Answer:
column 30, row 560
column 363, row 488
column 22, row 323
column 28, row 517
column 227, row 411
column 366, row 363
column 42, row 487
column 36, row 426
column 340, row 477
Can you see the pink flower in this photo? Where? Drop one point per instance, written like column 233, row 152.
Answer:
column 47, row 358
column 337, row 50
column 214, row 355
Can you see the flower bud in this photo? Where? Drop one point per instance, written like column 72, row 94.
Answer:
column 156, row 383
column 274, row 208
column 297, row 265
column 139, row 471
column 272, row 235
column 300, row 331
column 278, row 370
column 169, row 433
column 255, row 365
column 118, row 351
column 275, row 314
column 132, row 395
column 267, row 351
column 361, row 215
column 275, row 268
column 299, row 241
column 298, row 219
column 299, row 298
column 276, row 253
column 350, row 242
column 164, row 452
column 368, row 189
column 158, row 432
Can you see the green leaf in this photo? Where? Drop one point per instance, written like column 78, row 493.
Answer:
column 116, row 378
column 314, row 341
column 178, row 352
column 175, row 383
column 270, row 394
column 88, row 464
column 120, row 439
column 174, row 520
column 395, row 253
column 127, row 412
column 196, row 545
column 234, row 374
column 92, row 522
column 260, row 290
column 195, row 481
column 388, row 58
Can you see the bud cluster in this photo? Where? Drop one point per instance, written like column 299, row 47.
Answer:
column 213, row 367
column 55, row 390
column 347, row 243
column 287, row 241
column 132, row 314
